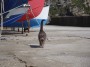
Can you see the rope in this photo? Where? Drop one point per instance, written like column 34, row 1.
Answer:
column 33, row 13
column 34, row 16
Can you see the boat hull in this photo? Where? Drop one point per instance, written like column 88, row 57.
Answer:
column 19, row 14
column 35, row 22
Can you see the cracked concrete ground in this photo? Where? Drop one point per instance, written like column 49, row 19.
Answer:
column 64, row 47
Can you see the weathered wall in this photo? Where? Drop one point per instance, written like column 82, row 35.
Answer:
column 71, row 21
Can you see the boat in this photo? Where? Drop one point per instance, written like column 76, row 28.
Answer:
column 34, row 22
column 17, row 11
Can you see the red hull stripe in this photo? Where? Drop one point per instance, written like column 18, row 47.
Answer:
column 36, row 6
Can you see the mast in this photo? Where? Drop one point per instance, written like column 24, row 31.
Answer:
column 2, row 9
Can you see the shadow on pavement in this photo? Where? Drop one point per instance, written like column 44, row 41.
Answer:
column 35, row 46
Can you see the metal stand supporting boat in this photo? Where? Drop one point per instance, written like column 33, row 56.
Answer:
column 18, row 29
column 28, row 21
column 22, row 28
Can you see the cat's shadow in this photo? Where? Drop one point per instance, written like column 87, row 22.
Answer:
column 35, row 46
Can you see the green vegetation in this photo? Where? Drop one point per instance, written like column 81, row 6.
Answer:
column 53, row 10
column 61, row 10
column 78, row 3
column 81, row 5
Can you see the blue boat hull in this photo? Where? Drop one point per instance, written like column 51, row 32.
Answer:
column 11, row 20
column 10, row 4
column 33, row 23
